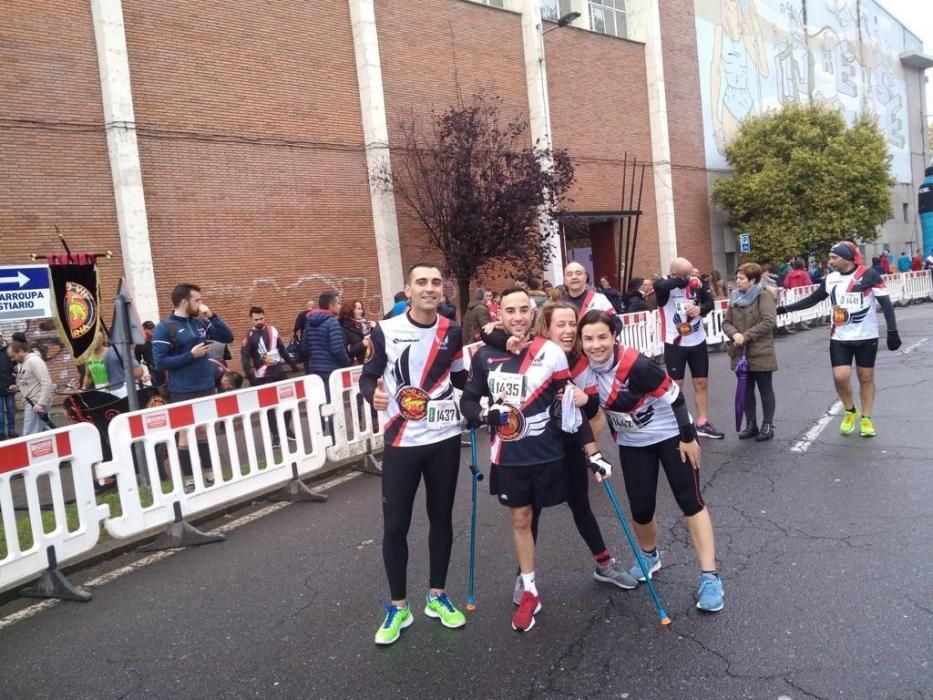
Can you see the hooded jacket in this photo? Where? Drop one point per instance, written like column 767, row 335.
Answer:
column 323, row 343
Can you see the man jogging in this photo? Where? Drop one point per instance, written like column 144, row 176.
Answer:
column 683, row 302
column 416, row 361
column 853, row 290
column 527, row 446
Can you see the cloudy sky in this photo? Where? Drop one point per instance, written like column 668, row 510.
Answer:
column 918, row 16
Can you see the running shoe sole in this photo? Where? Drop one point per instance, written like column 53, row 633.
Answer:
column 651, row 572
column 700, row 433
column 407, row 623
column 430, row 613
column 712, row 610
column 537, row 610
column 609, row 579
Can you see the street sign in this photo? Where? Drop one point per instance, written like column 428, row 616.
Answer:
column 745, row 243
column 25, row 292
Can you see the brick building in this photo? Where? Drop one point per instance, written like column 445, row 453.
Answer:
column 230, row 143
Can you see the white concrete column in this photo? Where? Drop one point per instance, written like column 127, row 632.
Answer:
column 649, row 21
column 376, row 138
column 539, row 117
column 120, row 125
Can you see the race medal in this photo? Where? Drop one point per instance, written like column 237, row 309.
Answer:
column 514, row 428
column 507, row 386
column 443, row 414
column 683, row 328
column 412, row 402
column 840, row 316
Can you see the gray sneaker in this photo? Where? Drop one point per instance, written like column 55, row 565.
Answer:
column 653, row 564
column 616, row 575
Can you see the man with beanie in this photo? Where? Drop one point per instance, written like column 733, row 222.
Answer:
column 853, row 289
column 180, row 346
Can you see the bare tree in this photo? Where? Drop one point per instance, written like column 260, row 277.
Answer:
column 479, row 188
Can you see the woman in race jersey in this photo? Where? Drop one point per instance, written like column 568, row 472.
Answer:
column 558, row 323
column 648, row 417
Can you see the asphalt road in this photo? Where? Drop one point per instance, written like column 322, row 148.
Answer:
column 825, row 556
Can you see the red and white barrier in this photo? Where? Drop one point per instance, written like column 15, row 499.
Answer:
column 243, row 471
column 356, row 434
column 41, row 457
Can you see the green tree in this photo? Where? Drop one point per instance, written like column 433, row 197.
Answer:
column 802, row 180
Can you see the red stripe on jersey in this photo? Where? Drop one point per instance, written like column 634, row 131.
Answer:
column 530, row 355
column 856, row 278
column 662, row 387
column 443, row 323
column 626, row 362
column 396, row 422
column 585, row 304
column 579, row 368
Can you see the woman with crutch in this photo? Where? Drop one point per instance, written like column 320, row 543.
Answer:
column 649, row 419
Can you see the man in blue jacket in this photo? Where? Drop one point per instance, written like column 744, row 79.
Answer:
column 323, row 344
column 180, row 348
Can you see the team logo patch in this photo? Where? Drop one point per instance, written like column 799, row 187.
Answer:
column 840, row 316
column 515, row 428
column 412, row 402
column 81, row 310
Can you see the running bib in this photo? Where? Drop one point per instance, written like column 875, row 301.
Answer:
column 621, row 422
column 508, row 386
column 442, row 414
column 850, row 302
column 682, row 306
column 274, row 357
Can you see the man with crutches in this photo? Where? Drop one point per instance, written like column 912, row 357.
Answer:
column 416, row 361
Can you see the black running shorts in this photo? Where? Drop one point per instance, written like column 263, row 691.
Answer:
column 678, row 357
column 842, row 352
column 541, row 485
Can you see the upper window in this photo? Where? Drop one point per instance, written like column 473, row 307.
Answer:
column 553, row 10
column 493, row 3
column 608, row 17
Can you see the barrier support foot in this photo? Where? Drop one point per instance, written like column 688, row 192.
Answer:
column 180, row 534
column 368, row 465
column 296, row 490
column 53, row 584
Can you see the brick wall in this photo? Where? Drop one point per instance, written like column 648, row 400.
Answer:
column 685, row 118
column 599, row 112
column 251, row 145
column 54, row 168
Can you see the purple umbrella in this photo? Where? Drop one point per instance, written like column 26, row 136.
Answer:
column 741, row 376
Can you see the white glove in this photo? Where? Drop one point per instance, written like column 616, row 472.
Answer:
column 599, row 463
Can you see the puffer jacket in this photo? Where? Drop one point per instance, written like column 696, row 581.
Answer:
column 756, row 324
column 323, row 343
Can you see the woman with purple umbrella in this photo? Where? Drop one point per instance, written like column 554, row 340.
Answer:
column 749, row 322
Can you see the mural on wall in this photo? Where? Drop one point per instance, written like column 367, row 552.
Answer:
column 757, row 55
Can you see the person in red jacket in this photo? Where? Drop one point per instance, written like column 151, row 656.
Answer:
column 916, row 262
column 798, row 276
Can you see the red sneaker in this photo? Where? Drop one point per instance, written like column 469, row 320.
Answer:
column 524, row 617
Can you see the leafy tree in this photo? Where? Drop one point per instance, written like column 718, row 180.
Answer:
column 802, row 180
column 479, row 188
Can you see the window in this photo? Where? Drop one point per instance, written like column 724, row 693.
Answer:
column 906, row 212
column 492, row 3
column 608, row 17
column 553, row 10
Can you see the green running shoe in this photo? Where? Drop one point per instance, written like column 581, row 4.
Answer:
column 396, row 620
column 866, row 427
column 848, row 423
column 441, row 608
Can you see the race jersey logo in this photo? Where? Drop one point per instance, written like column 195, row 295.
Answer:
column 515, row 427
column 412, row 402
column 840, row 316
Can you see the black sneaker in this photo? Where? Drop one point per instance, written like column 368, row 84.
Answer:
column 275, row 442
column 291, row 436
column 708, row 430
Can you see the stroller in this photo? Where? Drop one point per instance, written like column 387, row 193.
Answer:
column 99, row 407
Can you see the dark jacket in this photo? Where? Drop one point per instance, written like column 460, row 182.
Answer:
column 476, row 316
column 171, row 351
column 756, row 324
column 323, row 344
column 353, row 336
column 7, row 371
column 634, row 302
column 615, row 298
column 448, row 310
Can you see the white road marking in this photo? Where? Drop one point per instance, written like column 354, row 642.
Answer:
column 111, row 576
column 908, row 350
column 803, row 444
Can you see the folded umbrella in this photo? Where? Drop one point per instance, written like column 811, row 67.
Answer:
column 741, row 376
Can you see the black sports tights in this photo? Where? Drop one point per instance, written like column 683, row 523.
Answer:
column 402, row 469
column 640, row 470
column 766, row 389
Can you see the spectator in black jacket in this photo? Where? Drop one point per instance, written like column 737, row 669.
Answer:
column 7, row 397
column 611, row 293
column 634, row 299
column 354, row 331
column 299, row 328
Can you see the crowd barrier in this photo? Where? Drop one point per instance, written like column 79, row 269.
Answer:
column 329, row 424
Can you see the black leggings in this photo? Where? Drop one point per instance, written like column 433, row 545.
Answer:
column 640, row 469
column 766, row 389
column 578, row 498
column 402, row 469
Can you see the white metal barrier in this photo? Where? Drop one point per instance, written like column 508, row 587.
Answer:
column 356, row 432
column 41, row 457
column 244, row 471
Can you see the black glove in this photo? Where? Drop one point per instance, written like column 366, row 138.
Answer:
column 781, row 310
column 894, row 340
column 496, row 418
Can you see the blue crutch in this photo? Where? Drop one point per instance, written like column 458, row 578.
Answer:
column 662, row 613
column 476, row 476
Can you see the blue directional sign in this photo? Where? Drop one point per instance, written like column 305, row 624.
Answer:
column 745, row 243
column 25, row 292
